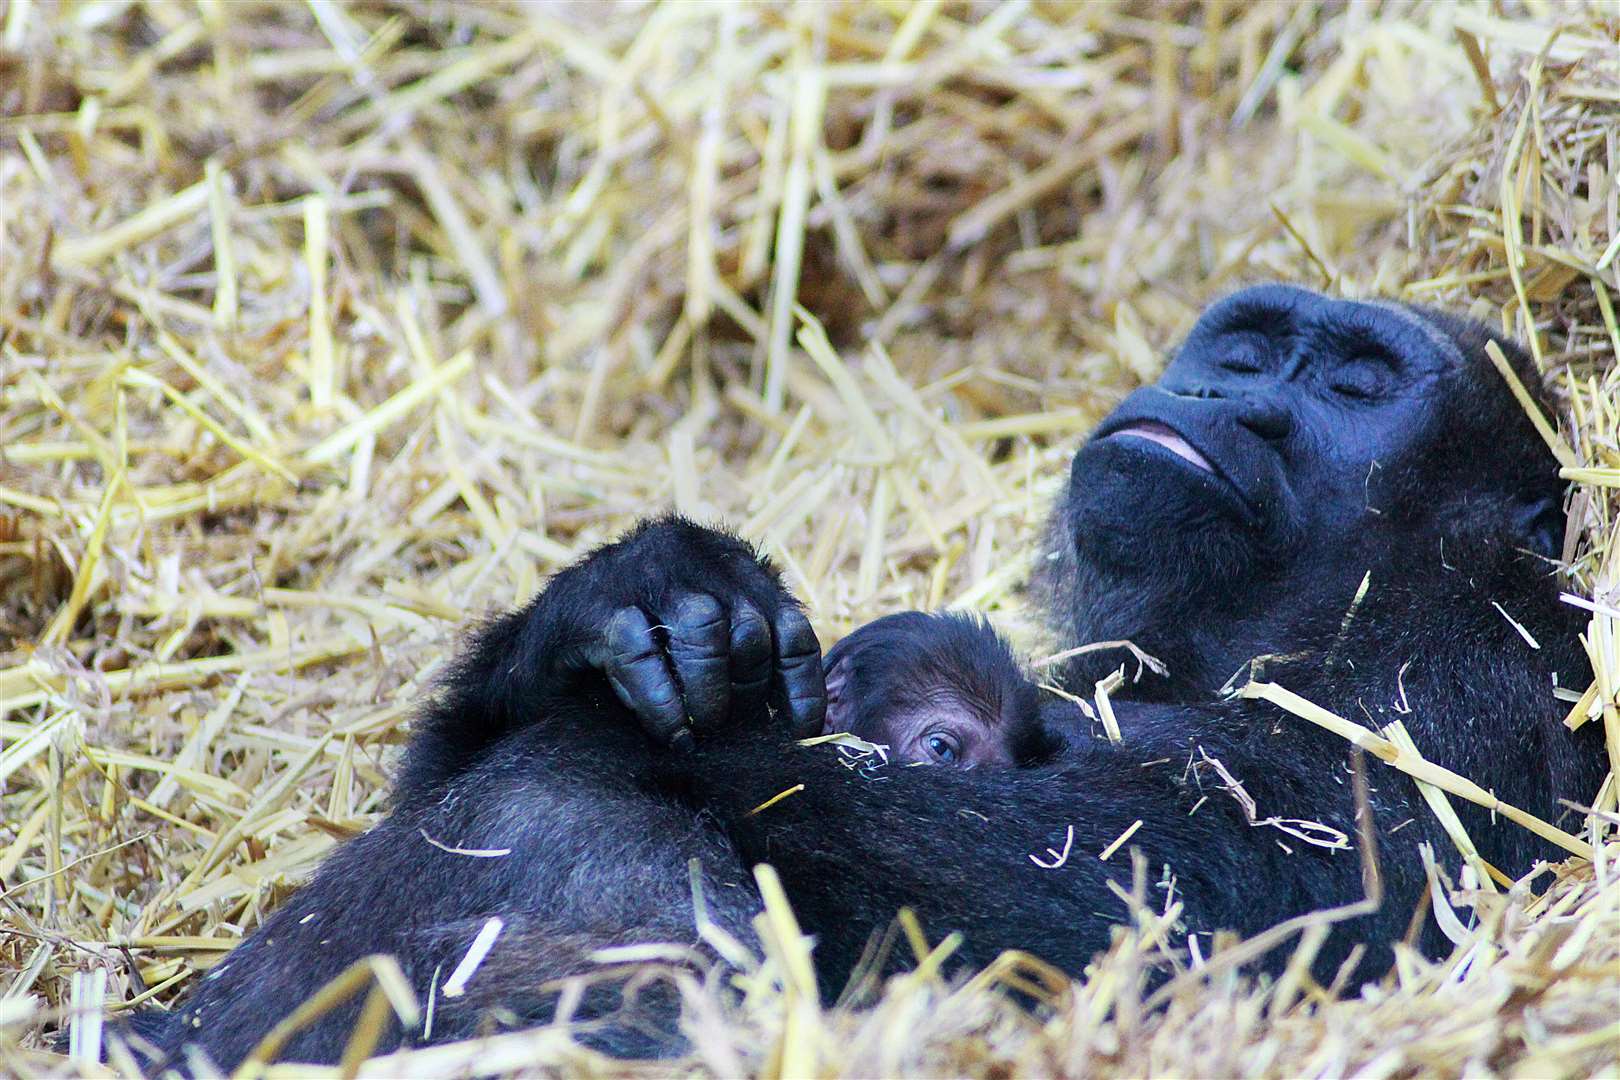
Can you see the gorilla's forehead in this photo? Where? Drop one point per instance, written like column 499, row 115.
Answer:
column 1306, row 309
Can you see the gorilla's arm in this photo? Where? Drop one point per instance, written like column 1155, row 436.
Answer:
column 557, row 833
column 528, row 793
column 957, row 846
column 677, row 628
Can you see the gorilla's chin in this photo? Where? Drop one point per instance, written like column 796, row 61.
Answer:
column 1136, row 510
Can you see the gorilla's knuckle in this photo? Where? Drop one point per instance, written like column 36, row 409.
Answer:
column 662, row 697
column 796, row 638
column 806, row 693
column 746, row 619
column 629, row 645
column 749, row 683
column 694, row 649
column 752, row 650
column 704, row 670
column 696, row 612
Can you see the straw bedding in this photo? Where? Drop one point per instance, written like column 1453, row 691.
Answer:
column 327, row 328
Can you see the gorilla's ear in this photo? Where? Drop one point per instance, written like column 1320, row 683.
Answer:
column 1540, row 524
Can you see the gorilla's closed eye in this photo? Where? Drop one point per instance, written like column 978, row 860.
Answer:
column 1363, row 377
column 1357, row 384
column 1241, row 364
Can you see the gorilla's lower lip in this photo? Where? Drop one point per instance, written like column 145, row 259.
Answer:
column 1165, row 436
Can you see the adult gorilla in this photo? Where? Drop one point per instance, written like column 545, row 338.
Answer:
column 617, row 728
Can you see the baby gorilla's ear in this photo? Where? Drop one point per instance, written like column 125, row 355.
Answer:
column 841, row 711
column 866, row 667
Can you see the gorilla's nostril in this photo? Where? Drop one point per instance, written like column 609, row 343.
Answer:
column 1267, row 421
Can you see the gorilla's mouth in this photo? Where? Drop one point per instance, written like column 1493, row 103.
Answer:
column 1165, row 436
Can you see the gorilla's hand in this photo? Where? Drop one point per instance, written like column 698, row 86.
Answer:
column 692, row 630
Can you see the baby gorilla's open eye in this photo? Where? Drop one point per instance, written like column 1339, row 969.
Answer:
column 943, row 747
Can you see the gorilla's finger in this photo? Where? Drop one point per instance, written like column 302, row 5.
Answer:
column 750, row 662
column 799, row 680
column 636, row 669
column 699, row 644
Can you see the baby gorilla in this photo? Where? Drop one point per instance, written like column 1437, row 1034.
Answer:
column 943, row 689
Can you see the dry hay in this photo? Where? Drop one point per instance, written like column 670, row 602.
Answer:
column 326, row 328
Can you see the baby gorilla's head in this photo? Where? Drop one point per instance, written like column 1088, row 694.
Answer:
column 943, row 689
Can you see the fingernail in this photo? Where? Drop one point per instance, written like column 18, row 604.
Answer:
column 683, row 740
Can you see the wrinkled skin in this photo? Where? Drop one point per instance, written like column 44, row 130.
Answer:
column 941, row 690
column 1304, row 414
column 1340, row 439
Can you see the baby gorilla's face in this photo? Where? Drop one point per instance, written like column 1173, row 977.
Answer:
column 944, row 729
column 941, row 689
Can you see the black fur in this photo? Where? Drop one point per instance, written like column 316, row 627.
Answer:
column 1341, row 440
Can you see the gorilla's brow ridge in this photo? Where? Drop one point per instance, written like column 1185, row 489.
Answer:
column 1437, row 338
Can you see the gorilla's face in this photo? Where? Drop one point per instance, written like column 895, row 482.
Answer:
column 1266, row 436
